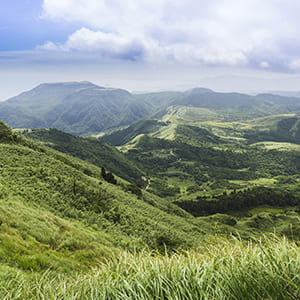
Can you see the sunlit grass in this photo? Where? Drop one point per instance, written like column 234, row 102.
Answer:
column 278, row 146
column 264, row 269
column 259, row 181
column 267, row 209
column 230, row 125
column 166, row 132
column 263, row 181
column 269, row 120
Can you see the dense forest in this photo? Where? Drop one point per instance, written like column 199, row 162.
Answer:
column 237, row 201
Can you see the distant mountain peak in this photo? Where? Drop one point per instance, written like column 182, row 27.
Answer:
column 75, row 107
column 199, row 90
column 69, row 84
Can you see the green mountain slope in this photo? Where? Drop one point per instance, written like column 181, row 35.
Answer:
column 91, row 150
column 83, row 108
column 121, row 137
column 225, row 106
column 42, row 178
column 235, row 106
column 196, row 136
column 195, row 165
column 76, row 107
column 283, row 129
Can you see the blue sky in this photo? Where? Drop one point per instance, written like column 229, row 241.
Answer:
column 23, row 28
column 226, row 45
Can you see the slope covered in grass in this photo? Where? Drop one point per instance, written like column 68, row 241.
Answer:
column 91, row 150
column 265, row 269
column 34, row 239
column 121, row 137
column 285, row 129
column 73, row 189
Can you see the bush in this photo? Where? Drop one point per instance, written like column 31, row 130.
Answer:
column 109, row 177
column 134, row 189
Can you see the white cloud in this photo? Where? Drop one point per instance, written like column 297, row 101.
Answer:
column 264, row 64
column 105, row 44
column 49, row 46
column 295, row 65
column 228, row 32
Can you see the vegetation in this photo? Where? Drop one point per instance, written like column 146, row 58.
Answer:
column 75, row 107
column 91, row 150
column 71, row 188
column 240, row 201
column 124, row 136
column 196, row 135
column 34, row 239
column 83, row 108
column 285, row 130
column 264, row 269
column 203, row 202
column 210, row 163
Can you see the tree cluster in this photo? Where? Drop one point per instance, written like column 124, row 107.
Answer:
column 236, row 201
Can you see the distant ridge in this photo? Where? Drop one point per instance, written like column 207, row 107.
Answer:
column 83, row 108
column 199, row 90
column 286, row 93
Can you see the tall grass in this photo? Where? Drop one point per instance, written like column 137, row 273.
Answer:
column 265, row 269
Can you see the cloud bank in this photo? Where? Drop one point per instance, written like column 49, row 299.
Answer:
column 252, row 33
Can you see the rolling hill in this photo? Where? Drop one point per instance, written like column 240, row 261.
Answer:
column 123, row 136
column 66, row 191
column 281, row 129
column 218, row 188
column 236, row 106
column 68, row 187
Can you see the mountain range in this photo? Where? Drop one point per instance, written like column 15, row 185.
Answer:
column 83, row 108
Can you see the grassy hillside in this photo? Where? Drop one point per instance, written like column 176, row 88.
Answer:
column 74, row 189
column 285, row 129
column 66, row 231
column 196, row 136
column 266, row 269
column 198, row 169
column 34, row 239
column 121, row 137
column 71, row 188
column 91, row 150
